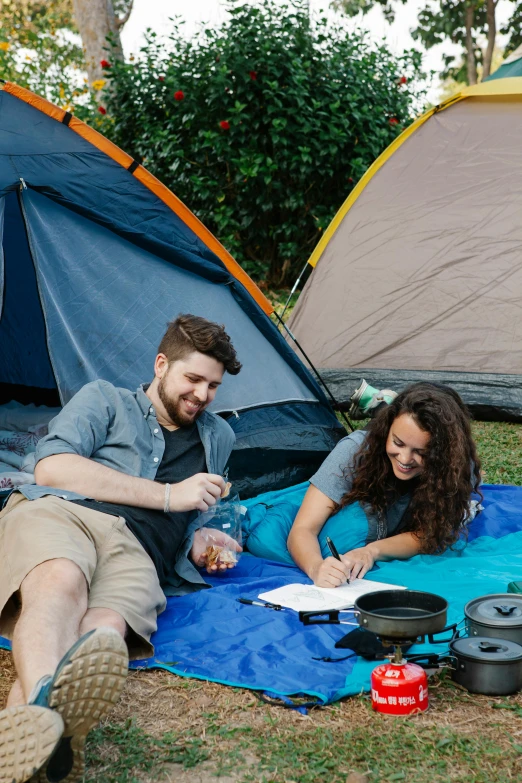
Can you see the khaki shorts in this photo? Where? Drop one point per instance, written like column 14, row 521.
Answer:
column 120, row 574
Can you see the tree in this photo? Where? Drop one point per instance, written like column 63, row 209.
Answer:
column 465, row 22
column 513, row 28
column 355, row 7
column 41, row 47
column 97, row 21
column 262, row 126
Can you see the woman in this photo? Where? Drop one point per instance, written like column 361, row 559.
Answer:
column 410, row 474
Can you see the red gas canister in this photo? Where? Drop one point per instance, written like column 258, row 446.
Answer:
column 399, row 688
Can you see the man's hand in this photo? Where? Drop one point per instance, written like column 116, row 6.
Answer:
column 358, row 562
column 330, row 573
column 197, row 492
column 206, row 538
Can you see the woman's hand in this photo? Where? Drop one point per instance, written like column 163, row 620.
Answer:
column 330, row 573
column 358, row 562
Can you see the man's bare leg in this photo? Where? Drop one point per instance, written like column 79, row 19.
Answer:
column 93, row 618
column 54, row 601
column 106, row 618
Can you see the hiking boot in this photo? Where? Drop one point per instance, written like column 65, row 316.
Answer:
column 86, row 685
column 367, row 399
column 28, row 737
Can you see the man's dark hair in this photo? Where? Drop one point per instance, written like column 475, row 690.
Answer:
column 189, row 333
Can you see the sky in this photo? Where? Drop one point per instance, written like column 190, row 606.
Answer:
column 155, row 14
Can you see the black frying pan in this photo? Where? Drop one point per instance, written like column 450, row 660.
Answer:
column 401, row 614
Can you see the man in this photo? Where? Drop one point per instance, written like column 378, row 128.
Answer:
column 85, row 551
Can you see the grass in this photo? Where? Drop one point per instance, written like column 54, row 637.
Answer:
column 500, row 449
column 237, row 738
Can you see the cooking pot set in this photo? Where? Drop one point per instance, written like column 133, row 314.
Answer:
column 487, row 660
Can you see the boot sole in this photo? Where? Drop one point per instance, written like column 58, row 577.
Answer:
column 28, row 737
column 84, row 691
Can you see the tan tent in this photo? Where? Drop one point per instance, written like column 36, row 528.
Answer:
column 421, row 269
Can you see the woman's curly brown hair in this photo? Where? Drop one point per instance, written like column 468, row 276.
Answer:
column 451, row 471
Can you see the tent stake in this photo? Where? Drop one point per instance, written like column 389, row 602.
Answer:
column 332, row 398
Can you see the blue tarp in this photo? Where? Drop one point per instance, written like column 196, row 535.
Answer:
column 210, row 636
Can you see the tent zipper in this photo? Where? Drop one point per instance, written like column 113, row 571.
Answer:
column 23, row 187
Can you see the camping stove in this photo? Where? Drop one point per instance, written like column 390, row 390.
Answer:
column 399, row 687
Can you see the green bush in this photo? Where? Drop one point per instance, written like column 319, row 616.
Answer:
column 263, row 126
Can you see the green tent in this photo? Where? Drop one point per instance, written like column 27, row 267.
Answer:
column 512, row 66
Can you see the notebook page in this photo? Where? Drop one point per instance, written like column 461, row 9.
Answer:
column 308, row 598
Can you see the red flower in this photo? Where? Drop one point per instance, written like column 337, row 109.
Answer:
column 161, row 78
column 403, row 80
column 350, row 179
column 393, row 121
column 105, row 64
column 224, row 124
column 102, row 110
column 179, row 95
column 253, row 75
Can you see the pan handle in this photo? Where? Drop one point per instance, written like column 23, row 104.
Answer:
column 330, row 617
column 454, row 635
column 426, row 660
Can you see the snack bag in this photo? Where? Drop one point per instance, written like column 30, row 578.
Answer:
column 220, row 528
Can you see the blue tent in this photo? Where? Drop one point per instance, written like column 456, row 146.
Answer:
column 97, row 256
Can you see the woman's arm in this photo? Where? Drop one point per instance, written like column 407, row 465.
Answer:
column 303, row 544
column 400, row 547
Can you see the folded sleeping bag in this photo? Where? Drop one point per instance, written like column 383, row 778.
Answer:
column 271, row 515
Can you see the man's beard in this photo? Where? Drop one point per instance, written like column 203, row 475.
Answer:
column 174, row 409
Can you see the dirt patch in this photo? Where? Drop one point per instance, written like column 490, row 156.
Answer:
column 7, row 675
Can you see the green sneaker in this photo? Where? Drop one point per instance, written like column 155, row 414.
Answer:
column 29, row 736
column 366, row 399
column 86, row 685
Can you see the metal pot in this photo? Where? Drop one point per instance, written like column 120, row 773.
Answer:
column 497, row 615
column 401, row 615
column 487, row 665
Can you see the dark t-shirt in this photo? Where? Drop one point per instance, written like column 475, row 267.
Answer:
column 161, row 534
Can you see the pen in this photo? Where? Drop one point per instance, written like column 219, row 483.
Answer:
column 267, row 605
column 333, row 550
column 331, row 546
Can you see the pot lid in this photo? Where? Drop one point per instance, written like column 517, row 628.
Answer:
column 487, row 649
column 498, row 609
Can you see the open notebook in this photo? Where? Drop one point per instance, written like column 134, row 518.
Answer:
column 308, row 598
